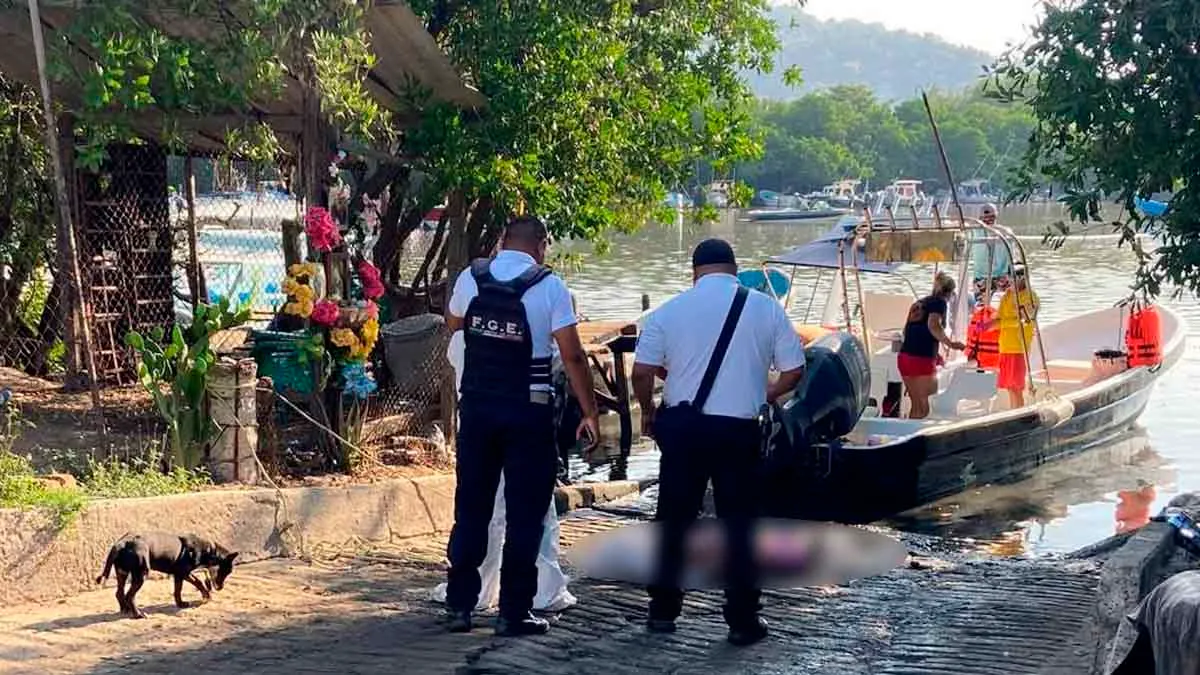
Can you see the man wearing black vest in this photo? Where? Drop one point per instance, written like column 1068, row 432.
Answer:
column 714, row 345
column 511, row 310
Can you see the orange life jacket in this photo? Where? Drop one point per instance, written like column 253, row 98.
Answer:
column 983, row 344
column 1143, row 337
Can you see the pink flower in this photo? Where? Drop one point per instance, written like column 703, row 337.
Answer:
column 371, row 282
column 372, row 310
column 321, row 230
column 325, row 312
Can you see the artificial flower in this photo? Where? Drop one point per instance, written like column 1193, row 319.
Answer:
column 356, row 381
column 325, row 312
column 372, row 283
column 299, row 308
column 303, row 270
column 304, row 293
column 290, row 286
column 370, row 331
column 371, row 310
column 321, row 230
column 344, row 337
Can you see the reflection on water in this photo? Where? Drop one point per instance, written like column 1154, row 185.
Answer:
column 1088, row 272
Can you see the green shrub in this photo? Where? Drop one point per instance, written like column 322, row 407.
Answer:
column 141, row 477
column 21, row 489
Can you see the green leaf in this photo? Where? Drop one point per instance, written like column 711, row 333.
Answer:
column 134, row 340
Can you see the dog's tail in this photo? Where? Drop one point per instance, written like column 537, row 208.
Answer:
column 108, row 563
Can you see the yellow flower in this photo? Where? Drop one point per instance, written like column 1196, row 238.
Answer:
column 304, row 293
column 344, row 337
column 306, row 308
column 303, row 269
column 370, row 331
column 300, row 309
column 290, row 286
column 361, row 352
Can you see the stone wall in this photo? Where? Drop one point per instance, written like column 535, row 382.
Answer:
column 39, row 562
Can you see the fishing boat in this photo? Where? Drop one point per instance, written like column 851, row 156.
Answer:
column 805, row 210
column 976, row 192
column 1084, row 389
column 842, row 194
column 903, row 193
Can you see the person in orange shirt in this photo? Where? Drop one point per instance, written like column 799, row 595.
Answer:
column 1016, row 318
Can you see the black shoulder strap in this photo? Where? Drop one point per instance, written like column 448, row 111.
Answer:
column 718, row 355
column 531, row 277
column 481, row 269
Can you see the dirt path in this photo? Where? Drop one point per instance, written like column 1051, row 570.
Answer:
column 372, row 616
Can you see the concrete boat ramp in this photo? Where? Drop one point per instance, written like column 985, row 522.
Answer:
column 367, row 612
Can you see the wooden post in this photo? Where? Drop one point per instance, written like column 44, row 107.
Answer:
column 66, row 233
column 456, row 261
column 195, row 272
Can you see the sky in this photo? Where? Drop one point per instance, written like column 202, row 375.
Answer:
column 984, row 24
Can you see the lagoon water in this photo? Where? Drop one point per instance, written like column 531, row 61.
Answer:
column 1061, row 507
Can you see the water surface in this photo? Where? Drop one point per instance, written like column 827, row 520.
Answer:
column 1063, row 506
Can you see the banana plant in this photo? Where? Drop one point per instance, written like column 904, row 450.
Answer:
column 173, row 367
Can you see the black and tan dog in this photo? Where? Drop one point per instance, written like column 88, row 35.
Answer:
column 135, row 555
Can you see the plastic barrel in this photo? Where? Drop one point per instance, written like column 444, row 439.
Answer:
column 409, row 345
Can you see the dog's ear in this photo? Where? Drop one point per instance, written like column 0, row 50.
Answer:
column 231, row 556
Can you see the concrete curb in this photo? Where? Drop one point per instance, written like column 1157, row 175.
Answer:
column 1128, row 575
column 40, row 562
column 586, row 495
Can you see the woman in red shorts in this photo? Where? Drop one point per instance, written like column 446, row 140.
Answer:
column 924, row 330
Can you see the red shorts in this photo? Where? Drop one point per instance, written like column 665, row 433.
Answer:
column 916, row 366
column 1012, row 372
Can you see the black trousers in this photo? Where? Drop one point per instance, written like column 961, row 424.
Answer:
column 515, row 436
column 695, row 449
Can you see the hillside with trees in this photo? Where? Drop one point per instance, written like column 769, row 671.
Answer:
column 894, row 65
column 847, row 131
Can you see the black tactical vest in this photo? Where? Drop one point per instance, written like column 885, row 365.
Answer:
column 499, row 348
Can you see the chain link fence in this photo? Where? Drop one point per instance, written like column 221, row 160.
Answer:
column 144, row 250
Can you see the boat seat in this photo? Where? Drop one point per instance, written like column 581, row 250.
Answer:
column 968, row 394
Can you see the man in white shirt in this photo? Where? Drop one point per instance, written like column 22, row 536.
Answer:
column 715, row 434
column 510, row 309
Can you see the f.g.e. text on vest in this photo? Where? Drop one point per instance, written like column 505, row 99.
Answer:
column 501, row 328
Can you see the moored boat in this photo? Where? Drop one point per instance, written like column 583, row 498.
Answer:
column 1081, row 391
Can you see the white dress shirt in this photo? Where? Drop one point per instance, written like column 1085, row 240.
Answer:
column 547, row 304
column 681, row 336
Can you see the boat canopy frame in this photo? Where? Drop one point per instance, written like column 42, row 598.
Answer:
column 854, row 241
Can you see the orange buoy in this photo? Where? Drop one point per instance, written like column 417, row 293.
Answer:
column 1143, row 337
column 983, row 344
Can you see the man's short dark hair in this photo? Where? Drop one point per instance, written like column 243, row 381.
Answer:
column 527, row 230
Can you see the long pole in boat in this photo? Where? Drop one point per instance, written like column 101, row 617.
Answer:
column 937, row 138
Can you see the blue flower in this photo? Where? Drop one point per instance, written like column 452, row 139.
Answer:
column 356, row 382
column 6, row 396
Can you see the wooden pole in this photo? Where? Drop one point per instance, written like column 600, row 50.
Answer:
column 195, row 273
column 66, row 233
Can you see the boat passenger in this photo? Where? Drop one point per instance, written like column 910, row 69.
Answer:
column 510, row 309
column 924, row 330
column 723, row 339
column 1016, row 316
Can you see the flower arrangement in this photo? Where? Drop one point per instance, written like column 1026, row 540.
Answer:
column 299, row 289
column 372, row 281
column 321, row 230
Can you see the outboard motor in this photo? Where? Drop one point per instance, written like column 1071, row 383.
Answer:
column 833, row 395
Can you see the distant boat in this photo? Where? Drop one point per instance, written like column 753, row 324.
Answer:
column 678, row 200
column 976, row 192
column 904, row 193
column 717, row 193
column 842, row 194
column 806, row 211
column 775, row 200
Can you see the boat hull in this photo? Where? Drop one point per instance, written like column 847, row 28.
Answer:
column 864, row 484
column 796, row 215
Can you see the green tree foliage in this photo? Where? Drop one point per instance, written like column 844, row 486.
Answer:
column 26, row 224
column 847, row 131
column 1115, row 89
column 595, row 109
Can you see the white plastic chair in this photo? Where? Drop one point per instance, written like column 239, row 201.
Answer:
column 968, row 394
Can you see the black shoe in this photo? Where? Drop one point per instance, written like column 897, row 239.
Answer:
column 744, row 635
column 662, row 626
column 458, row 622
column 521, row 626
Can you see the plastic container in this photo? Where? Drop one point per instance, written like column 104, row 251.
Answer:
column 409, row 345
column 278, row 357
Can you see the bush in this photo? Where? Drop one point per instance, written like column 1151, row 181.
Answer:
column 21, row 489
column 141, row 477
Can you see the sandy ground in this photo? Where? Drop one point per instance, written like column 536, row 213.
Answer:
column 368, row 613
